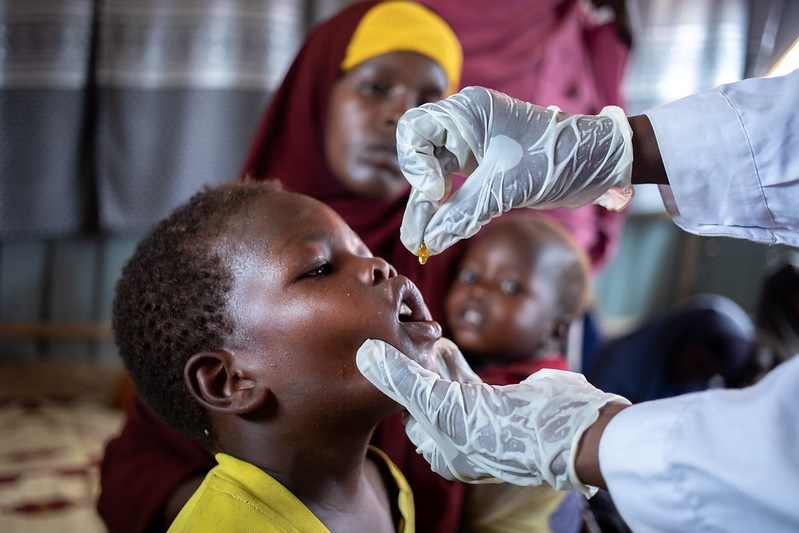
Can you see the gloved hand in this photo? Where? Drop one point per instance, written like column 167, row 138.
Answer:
column 449, row 363
column 515, row 154
column 524, row 434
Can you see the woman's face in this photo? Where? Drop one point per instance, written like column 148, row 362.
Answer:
column 365, row 105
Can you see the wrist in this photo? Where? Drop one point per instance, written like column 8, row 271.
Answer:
column 647, row 162
column 586, row 461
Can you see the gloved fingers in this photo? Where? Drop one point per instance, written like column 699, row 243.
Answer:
column 396, row 375
column 436, row 403
column 427, row 447
column 431, row 401
column 463, row 213
column 420, row 143
column 418, row 213
column 461, row 466
column 452, row 363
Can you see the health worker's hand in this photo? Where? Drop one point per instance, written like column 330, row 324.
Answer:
column 515, row 154
column 449, row 363
column 524, row 434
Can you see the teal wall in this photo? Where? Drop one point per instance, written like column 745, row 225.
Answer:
column 658, row 264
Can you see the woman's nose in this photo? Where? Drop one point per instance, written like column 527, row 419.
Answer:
column 399, row 104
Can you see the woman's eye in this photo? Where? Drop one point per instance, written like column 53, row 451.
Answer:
column 467, row 276
column 431, row 96
column 375, row 87
column 509, row 286
column 321, row 270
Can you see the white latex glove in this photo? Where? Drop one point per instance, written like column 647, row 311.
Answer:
column 515, row 154
column 523, row 434
column 450, row 364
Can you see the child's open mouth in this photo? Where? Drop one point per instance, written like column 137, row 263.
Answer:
column 411, row 309
column 405, row 313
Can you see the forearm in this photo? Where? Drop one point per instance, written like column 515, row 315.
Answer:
column 587, row 455
column 647, row 161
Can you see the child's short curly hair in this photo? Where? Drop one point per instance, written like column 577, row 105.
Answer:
column 172, row 302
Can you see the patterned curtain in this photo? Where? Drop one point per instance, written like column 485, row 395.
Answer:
column 114, row 111
column 45, row 56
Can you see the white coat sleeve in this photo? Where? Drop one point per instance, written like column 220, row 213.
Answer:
column 732, row 158
column 721, row 460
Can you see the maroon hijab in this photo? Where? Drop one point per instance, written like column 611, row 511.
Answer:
column 289, row 145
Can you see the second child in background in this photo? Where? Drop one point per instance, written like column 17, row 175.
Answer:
column 521, row 283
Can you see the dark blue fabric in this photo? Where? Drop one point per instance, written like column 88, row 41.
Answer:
column 679, row 351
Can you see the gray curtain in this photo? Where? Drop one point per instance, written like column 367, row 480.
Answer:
column 114, row 111
column 180, row 87
column 45, row 177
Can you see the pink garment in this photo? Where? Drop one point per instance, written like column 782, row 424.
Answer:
column 548, row 52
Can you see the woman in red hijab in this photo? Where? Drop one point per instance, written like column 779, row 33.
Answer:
column 373, row 65
column 329, row 132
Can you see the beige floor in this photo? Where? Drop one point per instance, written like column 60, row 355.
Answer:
column 55, row 417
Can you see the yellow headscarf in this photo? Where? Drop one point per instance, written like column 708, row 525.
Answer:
column 406, row 26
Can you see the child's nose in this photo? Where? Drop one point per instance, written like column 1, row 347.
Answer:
column 478, row 290
column 377, row 269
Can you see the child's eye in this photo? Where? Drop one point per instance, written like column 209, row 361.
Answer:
column 509, row 286
column 467, row 276
column 321, row 270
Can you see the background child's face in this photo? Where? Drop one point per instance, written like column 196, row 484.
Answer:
column 307, row 294
column 365, row 105
column 500, row 305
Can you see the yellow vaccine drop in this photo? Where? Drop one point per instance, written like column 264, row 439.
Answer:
column 423, row 254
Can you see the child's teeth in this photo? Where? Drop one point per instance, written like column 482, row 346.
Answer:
column 473, row 316
column 404, row 310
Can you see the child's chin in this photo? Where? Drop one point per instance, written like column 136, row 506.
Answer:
column 429, row 359
column 423, row 353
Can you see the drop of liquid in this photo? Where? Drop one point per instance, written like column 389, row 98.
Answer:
column 423, row 254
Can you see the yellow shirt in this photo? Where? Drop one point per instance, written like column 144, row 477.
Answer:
column 238, row 496
column 505, row 508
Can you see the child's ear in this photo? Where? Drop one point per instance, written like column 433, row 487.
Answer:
column 220, row 383
column 560, row 327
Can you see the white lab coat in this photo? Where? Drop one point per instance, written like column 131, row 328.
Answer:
column 722, row 460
